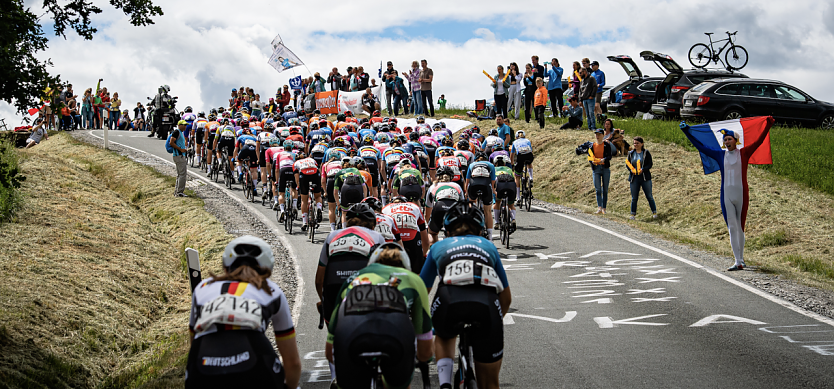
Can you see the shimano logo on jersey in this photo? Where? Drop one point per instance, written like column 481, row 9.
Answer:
column 226, row 361
column 469, row 255
column 348, row 273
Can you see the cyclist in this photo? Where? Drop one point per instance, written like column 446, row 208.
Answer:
column 246, row 154
column 264, row 139
column 385, row 225
column 230, row 313
column 409, row 220
column 189, row 116
column 210, row 135
column 481, row 178
column 306, row 173
column 384, row 308
column 201, row 124
column 505, row 188
column 359, row 163
column 466, row 297
column 226, row 142
column 350, row 185
column 430, row 147
column 447, row 158
column 491, row 140
column 464, row 155
column 373, row 161
column 288, row 113
column 498, row 152
column 521, row 155
column 282, row 165
column 330, row 170
column 407, row 181
column 442, row 195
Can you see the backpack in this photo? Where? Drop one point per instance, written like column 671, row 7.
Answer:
column 168, row 147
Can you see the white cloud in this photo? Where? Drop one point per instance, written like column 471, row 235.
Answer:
column 202, row 55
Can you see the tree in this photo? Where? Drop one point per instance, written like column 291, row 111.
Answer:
column 23, row 77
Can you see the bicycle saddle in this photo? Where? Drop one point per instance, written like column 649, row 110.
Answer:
column 709, row 33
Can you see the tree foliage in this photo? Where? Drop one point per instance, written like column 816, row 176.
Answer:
column 23, row 77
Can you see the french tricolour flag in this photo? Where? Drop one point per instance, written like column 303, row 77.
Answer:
column 747, row 128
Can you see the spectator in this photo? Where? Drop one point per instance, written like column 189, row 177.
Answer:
column 554, row 87
column 233, row 100
column 318, row 83
column 529, row 90
column 504, row 131
column 346, row 80
column 576, row 79
column 574, row 113
column 426, row 78
column 76, row 117
column 58, row 104
column 516, row 81
column 334, row 79
column 540, row 101
column 283, row 98
column 105, row 119
column 441, row 103
column 538, row 70
column 87, row 109
column 124, row 121
column 373, row 83
column 115, row 110
column 38, row 133
column 65, row 118
column 499, row 89
column 586, row 64
column 587, row 92
column 177, row 142
column 247, row 102
column 363, row 78
column 599, row 76
column 388, row 91
column 640, row 176
column 98, row 108
column 257, row 106
column 271, row 107
column 400, row 92
column 139, row 117
column 370, row 103
column 600, row 164
column 354, row 80
column 414, row 80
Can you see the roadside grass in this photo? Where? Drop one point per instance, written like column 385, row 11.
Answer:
column 790, row 227
column 10, row 180
column 95, row 292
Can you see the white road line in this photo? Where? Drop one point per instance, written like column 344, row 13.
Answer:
column 731, row 280
column 296, row 310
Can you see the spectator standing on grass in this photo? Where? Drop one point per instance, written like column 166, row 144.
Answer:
column 554, row 87
column 576, row 78
column 441, row 103
column 98, row 107
column 529, row 91
column 600, row 165
column 599, row 76
column 400, row 91
column 115, row 110
column 414, row 80
column 516, row 81
column 334, row 79
column 87, row 109
column 540, row 101
column 364, row 78
column 538, row 70
column 177, row 142
column 105, row 119
column 318, row 83
column 639, row 165
column 388, row 91
column 426, row 78
column 500, row 88
column 257, row 106
column 574, row 114
column 587, row 93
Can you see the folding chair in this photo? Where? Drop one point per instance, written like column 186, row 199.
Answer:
column 481, row 108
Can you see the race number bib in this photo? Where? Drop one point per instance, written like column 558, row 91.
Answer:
column 333, row 172
column 463, row 161
column 350, row 244
column 405, row 221
column 369, row 154
column 392, row 158
column 480, row 171
column 230, row 310
column 319, row 149
column 467, row 272
column 524, row 149
column 447, row 193
column 368, row 298
column 385, row 230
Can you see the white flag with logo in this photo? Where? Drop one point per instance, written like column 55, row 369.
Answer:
column 282, row 58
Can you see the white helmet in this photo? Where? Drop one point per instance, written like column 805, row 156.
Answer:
column 389, row 245
column 248, row 246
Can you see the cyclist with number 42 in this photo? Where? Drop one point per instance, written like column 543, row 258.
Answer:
column 521, row 156
column 465, row 296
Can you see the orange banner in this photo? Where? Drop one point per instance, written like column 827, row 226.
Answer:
column 327, row 102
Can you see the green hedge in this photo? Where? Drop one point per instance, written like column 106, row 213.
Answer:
column 10, row 179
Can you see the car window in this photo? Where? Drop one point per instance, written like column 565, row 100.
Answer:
column 697, row 79
column 648, row 86
column 730, row 89
column 787, row 93
column 757, row 90
column 702, row 86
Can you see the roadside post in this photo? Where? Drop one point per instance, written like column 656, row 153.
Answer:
column 193, row 259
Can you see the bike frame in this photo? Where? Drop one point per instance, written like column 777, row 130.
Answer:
column 716, row 55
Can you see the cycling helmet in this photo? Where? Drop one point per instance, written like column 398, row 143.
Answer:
column 244, row 109
column 287, row 108
column 391, row 245
column 314, row 126
column 395, row 142
column 493, row 132
column 467, row 133
column 520, row 134
column 497, row 147
column 212, row 117
column 358, row 161
column 288, row 144
column 445, row 170
column 340, row 117
column 339, row 142
column 274, row 142
column 269, row 127
column 480, row 156
column 442, row 124
column 362, row 211
column 323, row 123
column 225, row 120
column 413, row 136
column 347, row 161
column 463, row 145
column 213, row 111
column 238, row 115
column 446, row 152
column 405, row 162
column 248, row 247
column 407, row 130
column 384, row 128
column 425, row 132
column 201, row 114
column 373, row 202
column 365, row 125
column 462, row 212
column 376, row 114
column 435, row 125
column 399, row 199
column 421, row 119
column 383, row 138
column 294, row 130
column 368, row 140
column 476, row 129
column 348, row 113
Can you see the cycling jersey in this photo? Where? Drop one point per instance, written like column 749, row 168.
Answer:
column 408, row 218
column 439, row 149
column 453, row 163
column 500, row 155
column 443, row 191
column 283, row 159
column 317, row 136
column 505, row 184
column 481, row 171
column 386, row 227
column 392, row 155
column 344, row 252
column 521, row 146
column 407, row 176
column 490, row 142
column 306, row 166
column 465, row 157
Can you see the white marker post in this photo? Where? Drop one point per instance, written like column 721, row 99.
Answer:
column 193, row 259
column 106, row 143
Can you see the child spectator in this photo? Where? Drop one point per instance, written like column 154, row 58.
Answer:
column 540, row 101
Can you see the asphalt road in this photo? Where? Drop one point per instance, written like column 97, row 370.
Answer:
column 592, row 308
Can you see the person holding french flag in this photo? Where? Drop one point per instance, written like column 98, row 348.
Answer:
column 729, row 146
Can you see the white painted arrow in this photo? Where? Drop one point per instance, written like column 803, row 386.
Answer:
column 569, row 315
column 607, row 322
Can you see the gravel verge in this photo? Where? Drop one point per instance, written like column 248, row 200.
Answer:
column 809, row 298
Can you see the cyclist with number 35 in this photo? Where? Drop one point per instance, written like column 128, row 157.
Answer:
column 465, row 296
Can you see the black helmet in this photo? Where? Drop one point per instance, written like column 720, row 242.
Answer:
column 462, row 212
column 189, row 109
column 413, row 136
column 481, row 156
column 445, row 170
column 362, row 211
column 373, row 202
column 340, row 117
column 463, row 145
column 201, row 114
column 213, row 111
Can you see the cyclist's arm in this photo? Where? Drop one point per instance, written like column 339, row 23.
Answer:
column 429, row 272
column 505, row 298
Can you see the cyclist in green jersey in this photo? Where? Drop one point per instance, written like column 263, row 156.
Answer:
column 504, row 188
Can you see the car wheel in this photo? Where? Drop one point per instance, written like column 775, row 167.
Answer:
column 732, row 114
column 827, row 122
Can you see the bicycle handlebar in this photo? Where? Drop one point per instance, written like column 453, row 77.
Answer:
column 728, row 33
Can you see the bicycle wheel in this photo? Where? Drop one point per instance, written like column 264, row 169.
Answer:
column 227, row 177
column 529, row 196
column 506, row 224
column 736, row 57
column 247, row 191
column 700, row 55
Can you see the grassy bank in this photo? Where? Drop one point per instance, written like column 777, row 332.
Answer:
column 94, row 289
column 790, row 227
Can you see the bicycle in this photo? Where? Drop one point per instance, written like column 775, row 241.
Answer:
column 267, row 195
column 504, row 222
column 215, row 168
column 290, row 212
column 312, row 224
column 526, row 191
column 227, row 170
column 189, row 153
column 480, row 205
column 700, row 54
column 247, row 184
column 203, row 164
column 466, row 364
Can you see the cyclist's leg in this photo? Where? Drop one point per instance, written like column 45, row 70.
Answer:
column 304, row 192
column 331, row 203
column 487, row 374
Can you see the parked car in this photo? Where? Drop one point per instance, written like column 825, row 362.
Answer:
column 732, row 98
column 633, row 95
column 667, row 99
column 603, row 104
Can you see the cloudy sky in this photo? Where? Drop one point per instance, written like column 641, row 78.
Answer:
column 204, row 49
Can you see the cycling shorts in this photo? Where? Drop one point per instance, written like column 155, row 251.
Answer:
column 227, row 144
column 208, row 361
column 438, row 213
column 210, row 144
column 350, row 194
column 199, row 135
column 414, row 249
column 456, row 305
column 339, row 268
column 506, row 189
column 412, row 192
column 248, row 153
column 304, row 181
column 286, row 177
column 262, row 159
column 387, row 332
column 373, row 168
column 331, row 181
column 486, row 189
column 520, row 161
